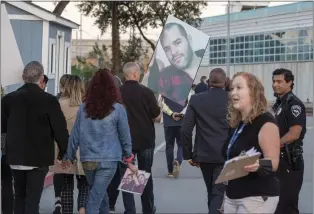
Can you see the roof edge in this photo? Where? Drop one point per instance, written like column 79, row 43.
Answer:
column 296, row 6
column 42, row 13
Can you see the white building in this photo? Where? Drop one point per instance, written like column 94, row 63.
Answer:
column 262, row 40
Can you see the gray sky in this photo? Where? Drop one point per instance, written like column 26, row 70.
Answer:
column 90, row 31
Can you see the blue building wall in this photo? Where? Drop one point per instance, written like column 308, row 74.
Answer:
column 28, row 35
column 53, row 27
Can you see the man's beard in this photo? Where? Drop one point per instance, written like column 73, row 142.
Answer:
column 187, row 57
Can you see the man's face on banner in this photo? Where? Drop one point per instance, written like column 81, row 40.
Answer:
column 177, row 47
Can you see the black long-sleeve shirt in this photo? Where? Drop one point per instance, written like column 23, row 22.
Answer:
column 32, row 120
column 142, row 108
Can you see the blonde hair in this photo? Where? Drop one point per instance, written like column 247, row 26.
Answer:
column 63, row 79
column 73, row 90
column 258, row 100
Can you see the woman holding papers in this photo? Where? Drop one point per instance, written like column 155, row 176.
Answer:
column 252, row 128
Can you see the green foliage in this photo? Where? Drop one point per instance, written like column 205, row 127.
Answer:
column 85, row 72
column 101, row 54
column 142, row 14
column 83, row 69
column 99, row 51
column 133, row 50
column 2, row 91
column 130, row 52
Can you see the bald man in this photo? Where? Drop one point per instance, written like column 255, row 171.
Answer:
column 142, row 110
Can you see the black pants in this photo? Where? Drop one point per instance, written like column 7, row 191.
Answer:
column 6, row 187
column 67, row 193
column 113, row 192
column 58, row 180
column 172, row 135
column 28, row 187
column 64, row 186
column 215, row 192
column 145, row 163
column 290, row 186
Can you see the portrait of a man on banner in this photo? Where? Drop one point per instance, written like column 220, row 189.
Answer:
column 175, row 62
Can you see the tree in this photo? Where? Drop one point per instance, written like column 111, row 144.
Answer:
column 107, row 12
column 154, row 14
column 121, row 15
column 60, row 6
column 101, row 54
column 133, row 50
column 83, row 69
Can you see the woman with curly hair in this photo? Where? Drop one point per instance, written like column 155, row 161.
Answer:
column 252, row 127
column 102, row 132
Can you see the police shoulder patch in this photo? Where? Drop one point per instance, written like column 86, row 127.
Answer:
column 296, row 110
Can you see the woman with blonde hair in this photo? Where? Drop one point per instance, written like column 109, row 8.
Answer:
column 252, row 126
column 70, row 100
column 58, row 178
column 62, row 82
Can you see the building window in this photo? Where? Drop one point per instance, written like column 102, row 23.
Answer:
column 67, row 58
column 279, row 46
column 52, row 58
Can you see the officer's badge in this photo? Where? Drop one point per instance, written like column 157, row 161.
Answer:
column 278, row 111
column 296, row 110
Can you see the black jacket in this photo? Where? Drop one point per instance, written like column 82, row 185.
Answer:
column 141, row 106
column 32, row 120
column 208, row 111
column 201, row 87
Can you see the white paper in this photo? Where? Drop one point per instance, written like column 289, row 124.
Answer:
column 132, row 183
column 250, row 153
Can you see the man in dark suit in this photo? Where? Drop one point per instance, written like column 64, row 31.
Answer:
column 208, row 111
column 32, row 120
column 202, row 86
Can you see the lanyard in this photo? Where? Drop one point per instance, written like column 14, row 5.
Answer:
column 234, row 137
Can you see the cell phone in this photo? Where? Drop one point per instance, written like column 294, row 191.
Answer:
column 180, row 115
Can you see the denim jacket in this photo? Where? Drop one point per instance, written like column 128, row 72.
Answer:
column 102, row 140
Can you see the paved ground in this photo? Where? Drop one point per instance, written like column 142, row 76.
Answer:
column 187, row 194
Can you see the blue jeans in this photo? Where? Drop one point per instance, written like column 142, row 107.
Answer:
column 172, row 135
column 145, row 163
column 99, row 180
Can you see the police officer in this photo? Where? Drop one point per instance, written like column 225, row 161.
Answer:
column 290, row 114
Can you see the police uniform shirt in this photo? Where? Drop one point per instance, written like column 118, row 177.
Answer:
column 290, row 111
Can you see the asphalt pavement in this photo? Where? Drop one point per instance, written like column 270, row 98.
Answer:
column 187, row 194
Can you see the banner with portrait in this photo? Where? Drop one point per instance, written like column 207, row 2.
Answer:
column 176, row 59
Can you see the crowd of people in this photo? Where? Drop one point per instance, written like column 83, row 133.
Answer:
column 103, row 127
